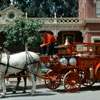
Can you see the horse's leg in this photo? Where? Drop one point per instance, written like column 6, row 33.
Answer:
column 25, row 85
column 35, row 69
column 33, row 90
column 17, row 86
column 3, row 85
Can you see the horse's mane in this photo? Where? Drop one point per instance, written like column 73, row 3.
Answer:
column 13, row 53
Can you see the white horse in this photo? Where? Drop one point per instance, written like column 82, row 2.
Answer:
column 28, row 60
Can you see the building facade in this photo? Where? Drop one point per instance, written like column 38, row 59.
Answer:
column 85, row 28
column 89, row 11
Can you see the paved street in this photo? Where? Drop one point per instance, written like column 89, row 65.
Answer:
column 43, row 93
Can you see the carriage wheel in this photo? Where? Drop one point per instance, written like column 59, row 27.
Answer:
column 88, row 82
column 53, row 84
column 72, row 82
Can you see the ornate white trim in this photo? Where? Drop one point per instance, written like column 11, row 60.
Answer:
column 55, row 33
column 94, row 38
column 62, row 27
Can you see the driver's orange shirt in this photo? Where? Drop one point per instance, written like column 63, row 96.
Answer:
column 48, row 39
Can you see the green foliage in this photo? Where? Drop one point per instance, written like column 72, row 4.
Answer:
column 45, row 8
column 4, row 4
column 23, row 31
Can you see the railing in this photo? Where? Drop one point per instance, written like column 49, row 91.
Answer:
column 58, row 20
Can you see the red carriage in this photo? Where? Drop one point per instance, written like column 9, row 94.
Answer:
column 73, row 65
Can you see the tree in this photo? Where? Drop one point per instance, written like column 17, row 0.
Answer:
column 4, row 4
column 63, row 8
column 45, row 8
column 23, row 31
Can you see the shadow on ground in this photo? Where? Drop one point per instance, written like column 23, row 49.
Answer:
column 20, row 93
column 92, row 88
column 48, row 92
column 11, row 87
column 82, row 89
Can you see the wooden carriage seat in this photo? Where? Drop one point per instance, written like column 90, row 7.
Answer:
column 65, row 50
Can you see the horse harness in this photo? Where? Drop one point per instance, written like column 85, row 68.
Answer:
column 28, row 57
column 8, row 57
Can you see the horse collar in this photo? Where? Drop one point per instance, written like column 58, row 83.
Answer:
column 8, row 57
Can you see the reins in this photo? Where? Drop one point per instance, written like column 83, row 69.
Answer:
column 7, row 65
column 21, row 69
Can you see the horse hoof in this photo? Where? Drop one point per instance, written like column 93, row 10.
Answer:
column 24, row 91
column 14, row 92
column 32, row 94
column 2, row 96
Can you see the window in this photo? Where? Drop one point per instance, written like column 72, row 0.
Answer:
column 98, row 8
column 96, row 41
column 11, row 15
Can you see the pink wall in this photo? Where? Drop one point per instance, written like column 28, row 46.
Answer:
column 89, row 28
column 87, row 9
column 92, row 26
column 91, row 9
column 87, row 36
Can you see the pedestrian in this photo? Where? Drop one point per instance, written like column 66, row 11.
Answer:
column 48, row 43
